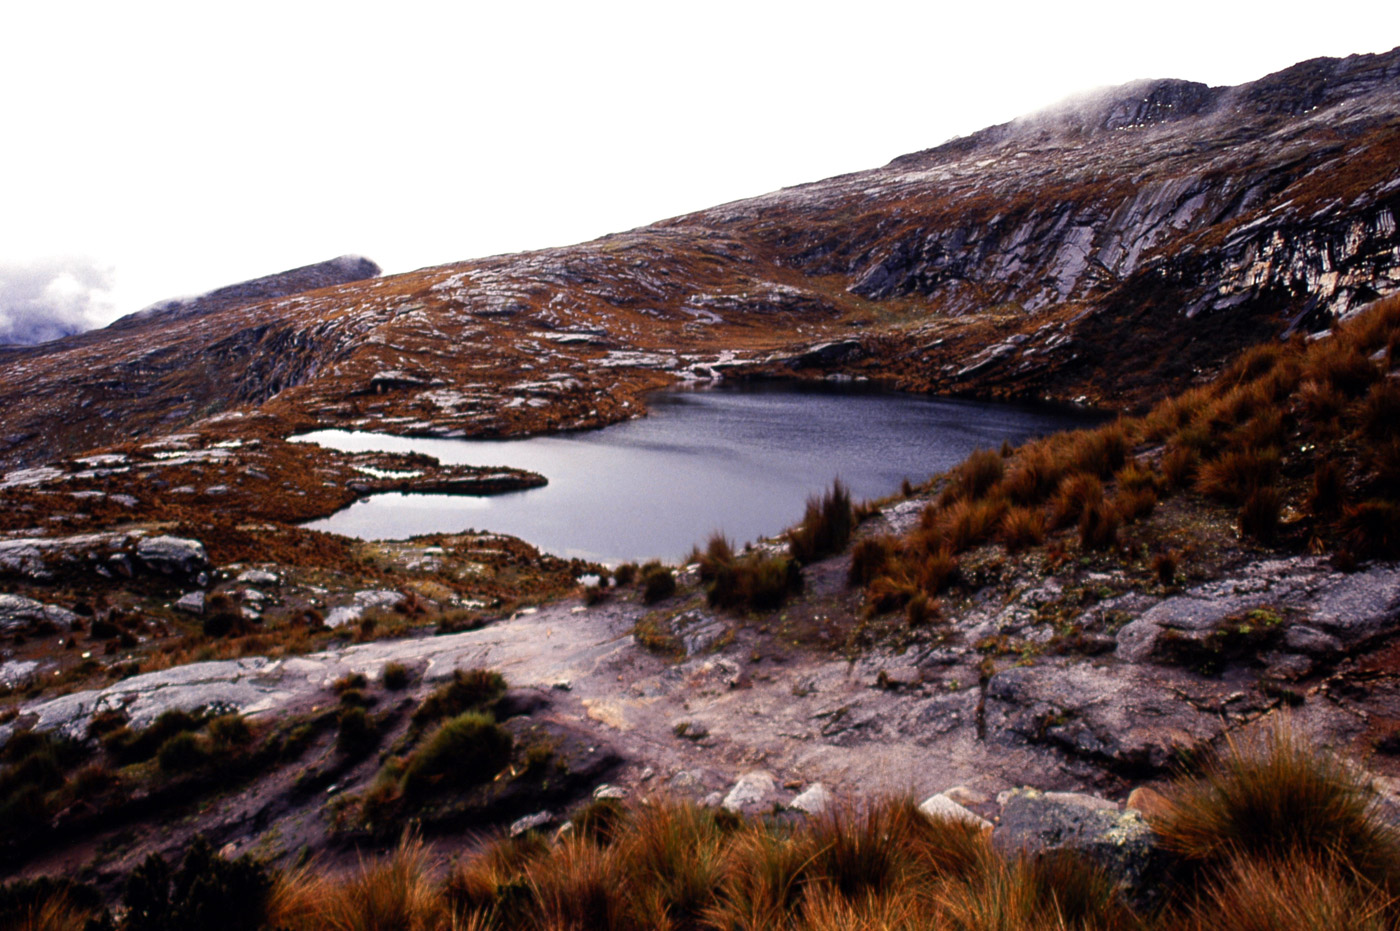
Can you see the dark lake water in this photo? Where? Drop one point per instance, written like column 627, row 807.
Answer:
column 741, row 459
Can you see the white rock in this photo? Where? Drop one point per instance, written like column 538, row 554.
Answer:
column 530, row 822
column 172, row 555
column 193, row 603
column 16, row 611
column 753, row 792
column 258, row 577
column 941, row 806
column 608, row 790
column 814, row 800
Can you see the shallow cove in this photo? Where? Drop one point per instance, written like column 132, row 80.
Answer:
column 738, row 458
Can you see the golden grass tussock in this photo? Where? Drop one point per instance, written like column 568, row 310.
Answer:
column 1275, row 796
column 1235, row 474
column 1077, row 493
column 396, row 894
column 1301, row 894
column 826, row 525
column 869, row 557
column 1021, row 528
column 974, row 477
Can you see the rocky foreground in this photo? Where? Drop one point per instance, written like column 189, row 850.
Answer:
column 675, row 699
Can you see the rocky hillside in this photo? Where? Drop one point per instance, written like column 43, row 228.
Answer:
column 1108, row 249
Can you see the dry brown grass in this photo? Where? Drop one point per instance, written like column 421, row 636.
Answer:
column 396, row 894
column 1021, row 528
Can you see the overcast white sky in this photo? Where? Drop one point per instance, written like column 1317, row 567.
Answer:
column 153, row 150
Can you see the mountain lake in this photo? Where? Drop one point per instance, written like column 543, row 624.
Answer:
column 738, row 458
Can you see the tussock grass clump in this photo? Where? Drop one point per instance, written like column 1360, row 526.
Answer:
column 1077, row 493
column 1275, row 797
column 1135, row 504
column 1179, row 465
column 869, row 557
column 182, row 753
column 1099, row 452
column 1328, row 492
column 974, row 477
column 963, row 524
column 468, row 690
column 826, row 526
column 1260, row 514
column 356, row 733
column 1098, row 525
column 1022, row 527
column 937, row 570
column 1300, row 894
column 1379, row 414
column 1164, row 565
column 1371, row 529
column 1341, row 364
column 921, row 611
column 1034, row 474
column 395, row 676
column 658, row 583
column 463, row 751
column 396, row 894
column 1232, row 477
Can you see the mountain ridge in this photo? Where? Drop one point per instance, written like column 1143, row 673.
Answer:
column 1039, row 258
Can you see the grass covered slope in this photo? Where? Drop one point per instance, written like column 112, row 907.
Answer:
column 1300, row 440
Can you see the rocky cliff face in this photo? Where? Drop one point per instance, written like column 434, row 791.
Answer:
column 1109, row 249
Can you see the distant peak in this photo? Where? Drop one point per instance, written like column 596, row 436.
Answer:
column 340, row 270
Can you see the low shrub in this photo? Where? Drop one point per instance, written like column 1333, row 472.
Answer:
column 658, row 583
column 467, row 690
column 757, row 580
column 206, row 892
column 461, row 752
column 128, row 746
column 625, row 574
column 396, row 676
column 230, row 730
column 356, row 734
column 182, row 753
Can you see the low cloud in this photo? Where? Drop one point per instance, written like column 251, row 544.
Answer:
column 48, row 298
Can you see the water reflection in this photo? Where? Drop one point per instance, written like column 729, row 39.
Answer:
column 741, row 459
